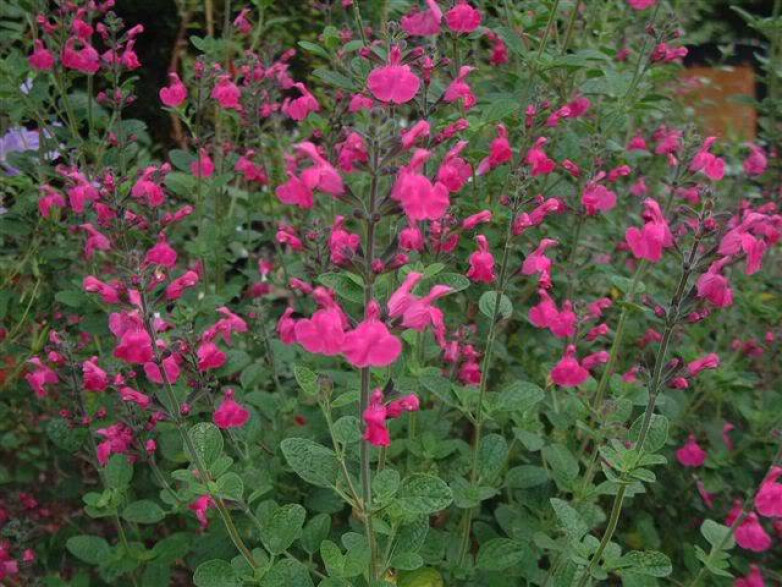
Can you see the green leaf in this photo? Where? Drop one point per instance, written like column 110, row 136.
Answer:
column 93, row 550
column 424, row 494
column 500, row 554
column 119, row 472
column 207, row 441
column 385, row 484
column 716, row 533
column 564, row 465
column 519, row 396
column 283, row 527
column 64, row 436
column 488, row 303
column 143, row 511
column 526, row 476
column 315, row 532
column 345, row 286
column 658, row 432
column 313, row 462
column 650, row 563
column 335, row 79
column 491, row 456
column 314, row 49
column 216, row 573
column 407, row 561
column 230, row 486
column 569, row 519
column 333, row 558
column 347, row 430
column 455, row 281
column 287, row 573
column 500, row 109
column 307, row 380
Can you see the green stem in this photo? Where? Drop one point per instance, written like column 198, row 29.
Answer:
column 654, row 389
column 485, row 367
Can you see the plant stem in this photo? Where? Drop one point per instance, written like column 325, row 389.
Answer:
column 485, row 367
column 654, row 389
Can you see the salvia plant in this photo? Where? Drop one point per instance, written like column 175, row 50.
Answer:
column 454, row 293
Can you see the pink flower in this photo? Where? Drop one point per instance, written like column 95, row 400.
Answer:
column 295, row 192
column 210, row 356
column 459, row 89
column 51, row 199
column 454, row 171
column 757, row 162
column 751, row 535
column 203, row 166
column 536, row 157
column 322, row 175
column 411, row 238
column 599, row 358
column 228, row 324
column 161, row 254
column 170, row 369
column 423, row 23
column 463, row 18
column 41, row 58
column 500, row 151
column 641, row 4
column 230, row 414
column 251, row 170
column 370, row 344
column 482, row 262
column 393, row 82
column 754, row 579
column 242, row 23
column 343, row 245
column 40, row 377
column 86, row 60
column 691, row 454
column 597, row 198
column 649, row 241
column 135, row 347
column 130, row 395
column 499, row 51
column 178, row 286
column 637, row 143
column 286, row 327
column 768, row 501
column 547, row 315
column 726, row 430
column 419, row 199
column 714, row 286
column 300, row 108
column 418, row 130
column 118, row 440
column 324, row 333
column 568, row 372
column 537, row 262
column 147, row 189
column 108, row 293
column 711, row 165
column 480, row 218
column 418, row 313
column 359, row 102
column 94, row 378
column 710, row 361
column 376, row 414
column 200, row 507
column 96, row 241
column 352, row 151
column 175, row 94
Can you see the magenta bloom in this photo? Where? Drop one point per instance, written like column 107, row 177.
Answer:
column 170, row 367
column 649, row 241
column 376, row 414
column 482, row 262
column 41, row 58
column 203, row 166
column 463, row 18
column 295, row 192
column 418, row 313
column 210, row 356
column 597, row 198
column 324, row 333
column 710, row 361
column 708, row 163
column 343, row 245
column 393, row 83
column 423, row 23
column 500, row 151
column 42, row 375
column 757, row 162
column 175, row 94
column 227, row 93
column 370, row 344
column 230, row 414
column 691, row 454
column 454, row 171
column 94, row 378
column 322, row 176
column 714, row 286
column 130, row 395
column 751, row 535
column 200, row 507
column 569, row 372
column 768, row 501
column 135, row 347
column 161, row 254
column 178, row 286
column 300, row 108
column 537, row 262
column 459, row 89
column 641, row 4
column 536, row 158
column 754, row 579
column 118, row 439
column 418, row 130
column 419, row 198
column 108, row 293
